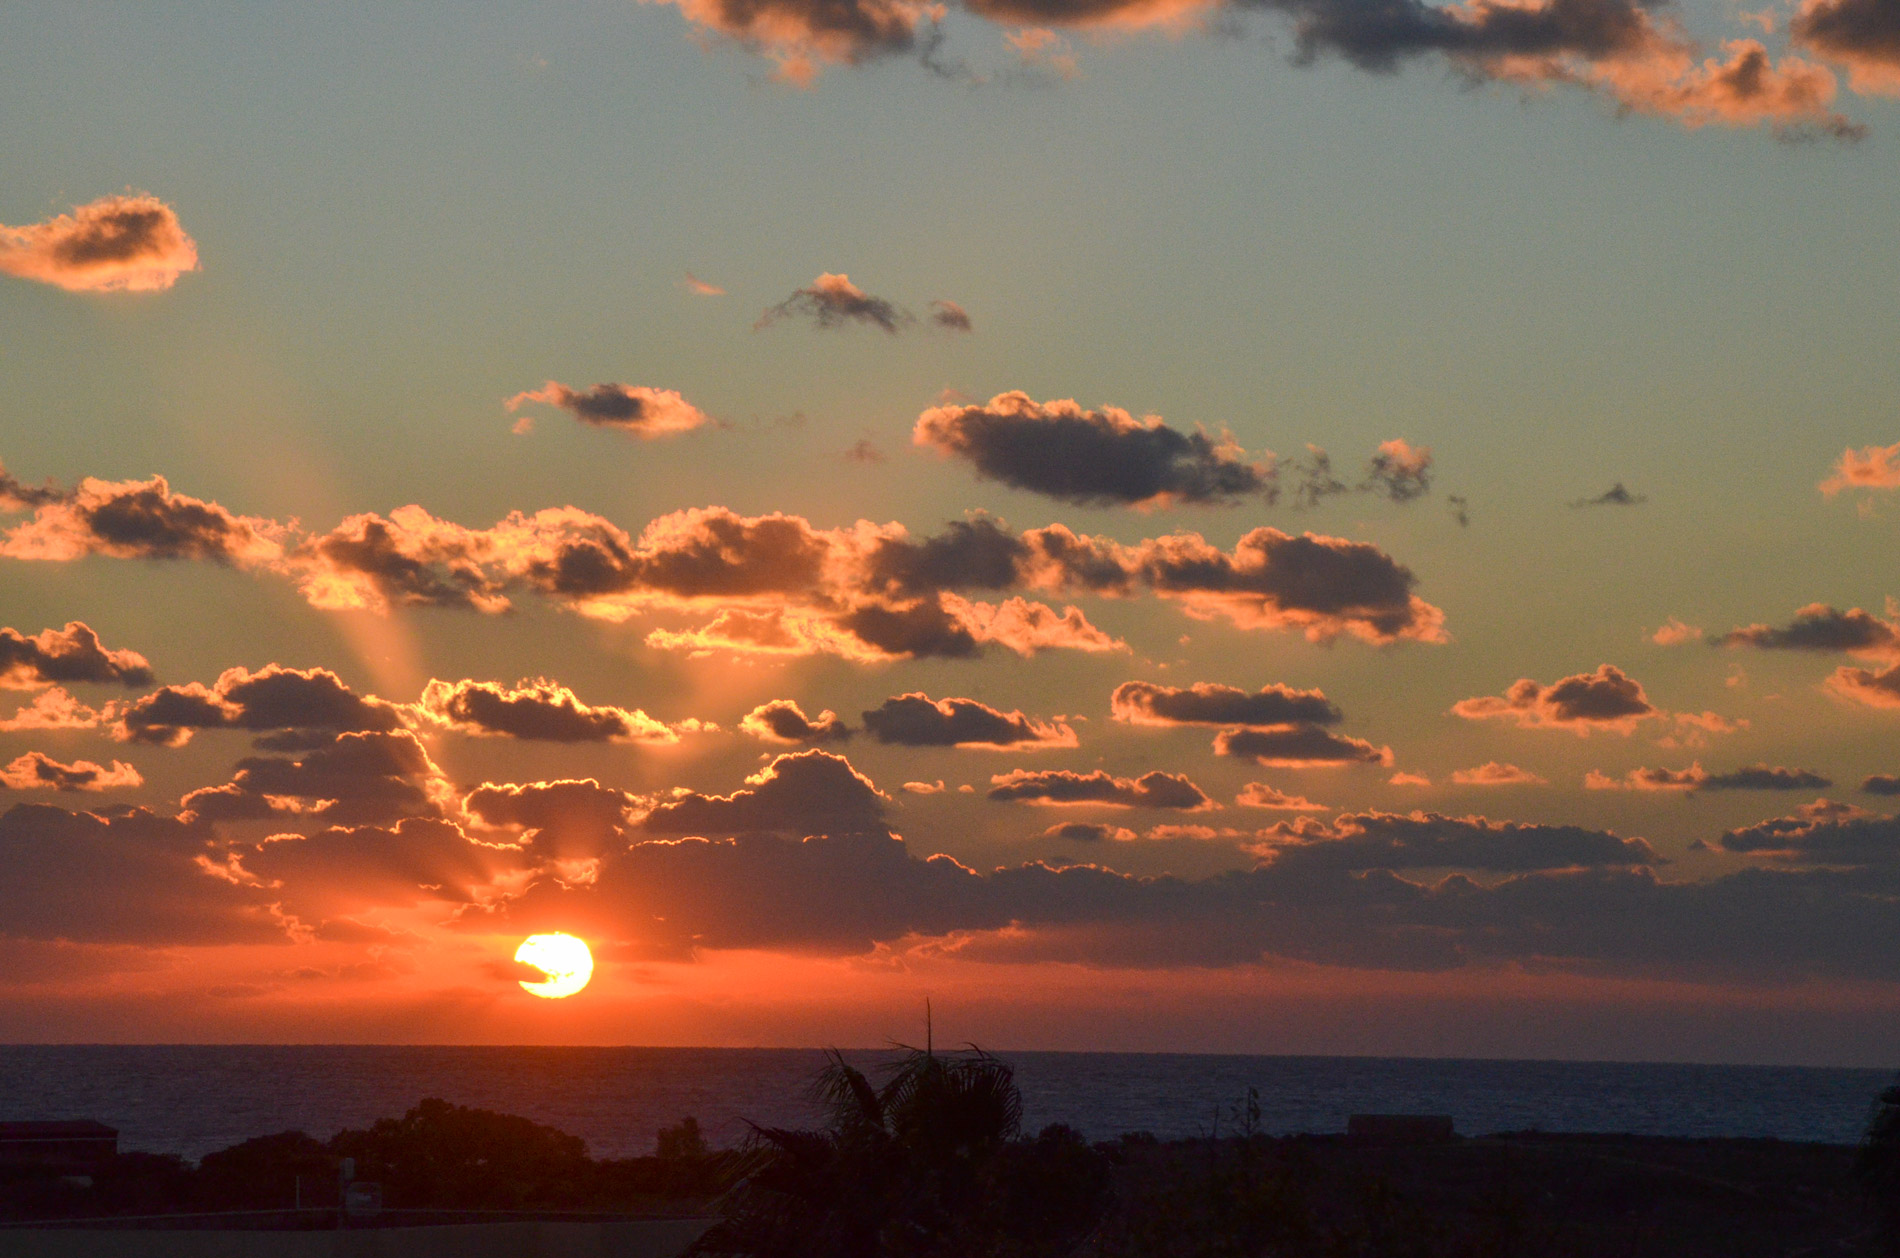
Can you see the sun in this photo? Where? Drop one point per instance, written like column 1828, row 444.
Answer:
column 563, row 958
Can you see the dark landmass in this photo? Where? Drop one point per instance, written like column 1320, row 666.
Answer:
column 929, row 1163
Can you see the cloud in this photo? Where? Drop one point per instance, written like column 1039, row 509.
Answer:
column 634, row 409
column 1298, row 747
column 38, row 771
column 1261, row 795
column 274, row 698
column 1615, row 496
column 343, row 868
column 1063, row 787
column 1818, row 627
column 569, row 819
column 1870, row 467
column 1881, row 784
column 1823, row 833
column 773, row 584
column 925, row 788
column 700, row 288
column 66, row 655
column 355, row 779
column 1675, row 632
column 783, row 721
column 1427, row 840
column 917, row 720
column 1875, row 689
column 1409, row 779
column 1090, row 832
column 130, row 244
column 1616, row 48
column 950, row 316
column 807, row 792
column 1756, row 777
column 1608, row 699
column 1492, row 773
column 131, row 877
column 801, row 35
column 56, row 709
column 833, row 301
column 543, row 710
column 1091, row 457
column 1864, row 35
column 1325, row 586
column 1400, row 471
column 1209, row 703
column 137, row 520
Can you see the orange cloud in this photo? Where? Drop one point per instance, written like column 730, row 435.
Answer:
column 1608, row 699
column 633, row 409
column 1863, row 35
column 38, row 771
column 1870, row 467
column 1261, row 795
column 131, row 244
column 543, row 710
column 1492, row 773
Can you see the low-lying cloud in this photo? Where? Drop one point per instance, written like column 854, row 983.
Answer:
column 132, row 244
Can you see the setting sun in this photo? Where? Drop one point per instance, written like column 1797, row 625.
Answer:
column 562, row 957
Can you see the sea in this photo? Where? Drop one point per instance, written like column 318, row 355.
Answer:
column 193, row 1099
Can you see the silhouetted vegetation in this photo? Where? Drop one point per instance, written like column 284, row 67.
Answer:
column 436, row 1156
column 1878, row 1166
column 925, row 1158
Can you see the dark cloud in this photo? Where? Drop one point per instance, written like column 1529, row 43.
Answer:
column 1615, row 496
column 129, row 877
column 1399, row 471
column 1862, row 34
column 66, row 655
column 1062, row 786
column 540, row 709
column 1091, row 457
column 1754, row 777
column 917, row 720
column 345, row 868
column 1298, row 747
column 1881, row 784
column 1875, row 689
column 631, row 408
column 979, row 553
column 783, row 721
column 1357, row 842
column 833, row 301
column 1822, row 833
column 1326, row 586
column 1818, row 627
column 1088, row 832
column 1608, row 699
column 38, row 771
column 358, row 779
column 807, row 792
column 949, row 315
column 1460, row 510
column 563, row 820
column 274, row 698
column 131, row 244
column 1208, row 703
column 138, row 520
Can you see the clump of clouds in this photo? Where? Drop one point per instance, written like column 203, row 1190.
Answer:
column 783, row 721
column 1608, row 699
column 132, row 244
column 1092, row 457
column 917, row 720
column 833, row 301
column 634, row 409
column 1063, row 787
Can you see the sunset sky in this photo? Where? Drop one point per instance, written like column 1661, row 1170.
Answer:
column 1301, row 526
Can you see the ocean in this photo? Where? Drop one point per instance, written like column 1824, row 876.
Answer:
column 192, row 1099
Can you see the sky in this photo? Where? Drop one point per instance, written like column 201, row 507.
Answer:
column 1291, row 526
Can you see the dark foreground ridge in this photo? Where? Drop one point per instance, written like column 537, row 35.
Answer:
column 926, row 1160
